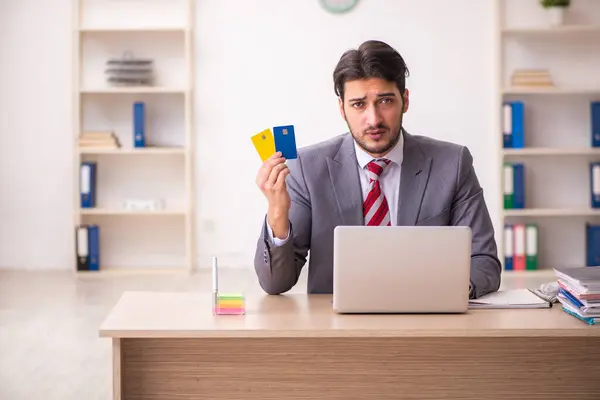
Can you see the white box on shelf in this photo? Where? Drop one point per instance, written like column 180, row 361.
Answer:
column 144, row 204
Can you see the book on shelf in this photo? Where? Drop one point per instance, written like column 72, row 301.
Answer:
column 579, row 292
column 521, row 246
column 514, row 185
column 532, row 78
column 87, row 247
column 99, row 139
column 513, row 124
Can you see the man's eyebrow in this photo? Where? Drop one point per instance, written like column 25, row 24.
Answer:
column 388, row 94
column 358, row 99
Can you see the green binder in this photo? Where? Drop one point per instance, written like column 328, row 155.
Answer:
column 509, row 186
column 531, row 246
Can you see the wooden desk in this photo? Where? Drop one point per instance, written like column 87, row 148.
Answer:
column 170, row 346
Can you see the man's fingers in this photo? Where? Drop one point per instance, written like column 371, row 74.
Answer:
column 266, row 168
column 274, row 156
column 281, row 177
column 274, row 173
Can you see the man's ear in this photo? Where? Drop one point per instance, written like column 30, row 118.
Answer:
column 405, row 101
column 341, row 104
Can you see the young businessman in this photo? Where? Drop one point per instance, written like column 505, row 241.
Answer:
column 377, row 174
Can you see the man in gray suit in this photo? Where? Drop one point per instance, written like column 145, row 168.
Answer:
column 378, row 174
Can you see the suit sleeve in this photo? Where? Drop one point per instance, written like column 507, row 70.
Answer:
column 278, row 267
column 469, row 209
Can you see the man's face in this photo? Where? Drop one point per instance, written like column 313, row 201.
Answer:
column 373, row 110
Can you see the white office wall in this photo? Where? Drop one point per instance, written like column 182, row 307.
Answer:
column 258, row 64
column 268, row 62
column 35, row 134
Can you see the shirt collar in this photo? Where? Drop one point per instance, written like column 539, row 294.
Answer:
column 395, row 155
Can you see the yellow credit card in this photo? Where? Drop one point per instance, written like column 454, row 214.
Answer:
column 264, row 142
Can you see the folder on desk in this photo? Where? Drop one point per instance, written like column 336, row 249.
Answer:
column 515, row 298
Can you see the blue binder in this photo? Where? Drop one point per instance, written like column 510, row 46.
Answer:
column 595, row 184
column 592, row 240
column 518, row 124
column 94, row 247
column 87, row 184
column 595, row 122
column 509, row 241
column 139, row 124
column 519, row 188
column 507, row 125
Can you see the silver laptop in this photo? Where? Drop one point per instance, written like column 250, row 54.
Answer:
column 401, row 269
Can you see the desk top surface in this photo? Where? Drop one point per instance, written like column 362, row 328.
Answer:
column 164, row 314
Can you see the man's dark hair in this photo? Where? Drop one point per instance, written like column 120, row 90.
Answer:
column 373, row 59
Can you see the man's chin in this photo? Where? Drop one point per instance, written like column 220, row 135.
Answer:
column 377, row 145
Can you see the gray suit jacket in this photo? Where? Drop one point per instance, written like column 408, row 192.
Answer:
column 438, row 186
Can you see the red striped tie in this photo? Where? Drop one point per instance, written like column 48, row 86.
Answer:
column 375, row 208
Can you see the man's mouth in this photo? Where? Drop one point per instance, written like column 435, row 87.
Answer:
column 375, row 133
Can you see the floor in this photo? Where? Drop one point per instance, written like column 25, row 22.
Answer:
column 49, row 344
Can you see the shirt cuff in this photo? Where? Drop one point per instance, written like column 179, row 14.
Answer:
column 276, row 241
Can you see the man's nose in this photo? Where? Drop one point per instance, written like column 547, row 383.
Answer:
column 373, row 116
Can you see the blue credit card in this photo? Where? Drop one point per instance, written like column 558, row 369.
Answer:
column 285, row 141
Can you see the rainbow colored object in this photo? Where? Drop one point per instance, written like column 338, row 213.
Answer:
column 230, row 304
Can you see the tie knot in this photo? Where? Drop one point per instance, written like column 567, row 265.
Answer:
column 376, row 167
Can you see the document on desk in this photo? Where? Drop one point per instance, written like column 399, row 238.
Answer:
column 516, row 298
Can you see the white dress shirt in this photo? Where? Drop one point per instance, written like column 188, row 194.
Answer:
column 389, row 181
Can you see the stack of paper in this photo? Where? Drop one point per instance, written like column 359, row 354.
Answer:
column 579, row 292
column 516, row 298
column 102, row 139
column 130, row 71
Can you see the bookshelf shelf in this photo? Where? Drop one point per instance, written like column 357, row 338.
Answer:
column 135, row 151
column 552, row 212
column 134, row 90
column 143, row 29
column 547, row 81
column 553, row 30
column 109, row 211
column 110, row 114
column 549, row 151
column 550, row 91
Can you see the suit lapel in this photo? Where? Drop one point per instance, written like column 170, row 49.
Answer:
column 345, row 181
column 413, row 179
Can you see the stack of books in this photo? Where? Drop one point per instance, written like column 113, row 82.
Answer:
column 579, row 292
column 104, row 140
column 532, row 77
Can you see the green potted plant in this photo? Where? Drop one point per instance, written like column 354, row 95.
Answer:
column 556, row 10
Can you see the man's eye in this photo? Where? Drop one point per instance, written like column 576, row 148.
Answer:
column 386, row 100
column 357, row 104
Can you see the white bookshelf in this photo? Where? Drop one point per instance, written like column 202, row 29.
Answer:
column 137, row 240
column 557, row 148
